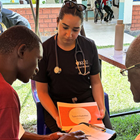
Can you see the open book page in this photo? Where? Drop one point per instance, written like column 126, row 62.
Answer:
column 95, row 134
column 72, row 114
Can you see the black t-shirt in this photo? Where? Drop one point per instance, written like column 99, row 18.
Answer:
column 68, row 83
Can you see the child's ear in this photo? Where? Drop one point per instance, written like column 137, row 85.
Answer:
column 22, row 48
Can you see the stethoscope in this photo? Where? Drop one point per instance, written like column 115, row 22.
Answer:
column 58, row 70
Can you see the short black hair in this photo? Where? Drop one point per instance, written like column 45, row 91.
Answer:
column 16, row 36
column 133, row 53
column 73, row 11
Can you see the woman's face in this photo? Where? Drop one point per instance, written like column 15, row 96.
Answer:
column 68, row 29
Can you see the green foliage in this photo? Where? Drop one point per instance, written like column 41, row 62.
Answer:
column 111, row 46
column 127, row 127
column 28, row 107
column 43, row 2
column 57, row 1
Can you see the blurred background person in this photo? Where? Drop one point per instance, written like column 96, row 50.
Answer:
column 98, row 10
column 10, row 18
column 108, row 11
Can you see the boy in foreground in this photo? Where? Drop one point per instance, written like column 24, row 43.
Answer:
column 20, row 51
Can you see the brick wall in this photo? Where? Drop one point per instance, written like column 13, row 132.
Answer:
column 135, row 25
column 47, row 19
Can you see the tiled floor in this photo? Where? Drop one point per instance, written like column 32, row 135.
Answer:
column 103, row 33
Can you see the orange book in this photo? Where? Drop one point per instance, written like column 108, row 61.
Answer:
column 71, row 114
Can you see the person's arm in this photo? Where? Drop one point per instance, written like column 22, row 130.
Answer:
column 77, row 135
column 46, row 101
column 102, row 2
column 95, row 4
column 23, row 135
column 33, row 136
column 98, row 94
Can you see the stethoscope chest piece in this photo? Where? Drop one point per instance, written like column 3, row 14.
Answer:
column 57, row 70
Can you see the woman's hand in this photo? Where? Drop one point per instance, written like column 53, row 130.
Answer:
column 102, row 114
column 58, row 122
column 77, row 135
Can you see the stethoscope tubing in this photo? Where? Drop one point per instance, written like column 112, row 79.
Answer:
column 78, row 51
column 56, row 52
column 58, row 70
